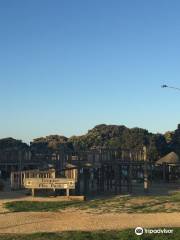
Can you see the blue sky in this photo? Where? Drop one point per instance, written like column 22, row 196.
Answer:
column 66, row 66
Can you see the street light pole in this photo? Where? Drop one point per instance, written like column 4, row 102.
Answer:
column 166, row 86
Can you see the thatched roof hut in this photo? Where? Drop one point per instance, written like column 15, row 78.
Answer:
column 171, row 159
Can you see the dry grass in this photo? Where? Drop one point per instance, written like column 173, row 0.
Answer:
column 116, row 204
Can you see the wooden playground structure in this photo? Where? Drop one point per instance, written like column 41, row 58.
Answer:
column 109, row 170
column 18, row 178
column 96, row 171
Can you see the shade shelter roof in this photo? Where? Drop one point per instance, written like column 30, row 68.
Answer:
column 171, row 158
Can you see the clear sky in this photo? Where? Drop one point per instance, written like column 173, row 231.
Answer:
column 68, row 65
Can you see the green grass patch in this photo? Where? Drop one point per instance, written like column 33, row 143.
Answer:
column 31, row 206
column 100, row 235
column 118, row 204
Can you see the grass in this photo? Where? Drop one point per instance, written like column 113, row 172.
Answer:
column 118, row 204
column 31, row 206
column 101, row 235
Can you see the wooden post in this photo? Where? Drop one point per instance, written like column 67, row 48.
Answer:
column 151, row 173
column 130, row 177
column 102, row 178
column 111, row 177
column 122, row 155
column 145, row 170
column 67, row 192
column 120, row 177
column 107, row 178
column 86, row 176
column 169, row 173
column 78, row 180
column 12, row 180
column 54, row 191
column 116, row 177
column 33, row 192
column 164, row 172
column 98, row 179
column 130, row 173
column 21, row 184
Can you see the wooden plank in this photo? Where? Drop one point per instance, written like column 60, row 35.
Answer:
column 49, row 183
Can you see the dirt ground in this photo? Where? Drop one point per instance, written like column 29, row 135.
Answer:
column 71, row 221
column 68, row 220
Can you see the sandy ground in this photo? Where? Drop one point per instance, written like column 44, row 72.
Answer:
column 72, row 221
column 69, row 220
